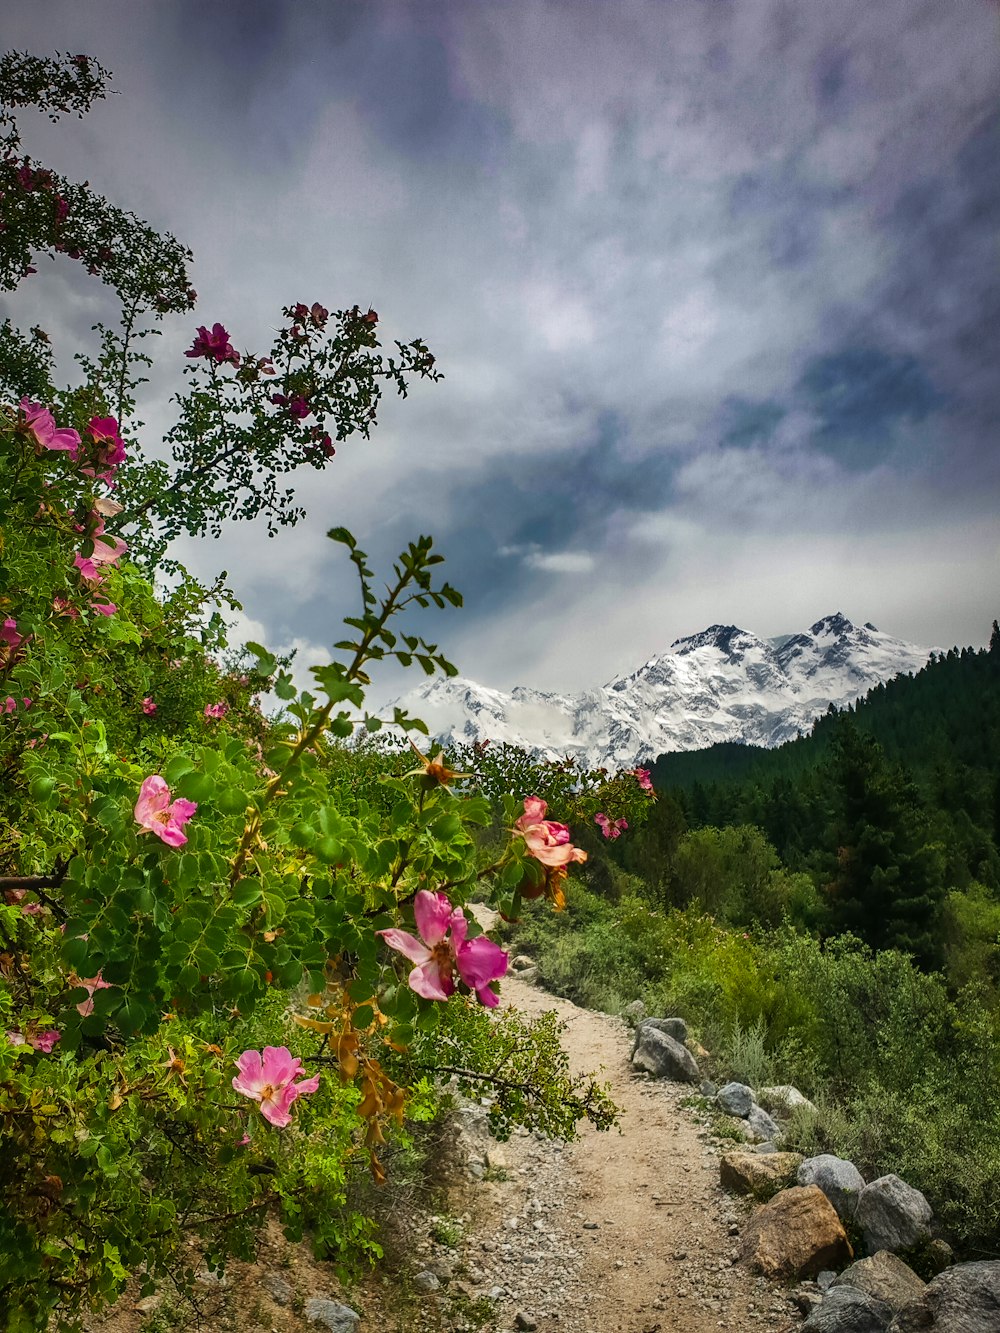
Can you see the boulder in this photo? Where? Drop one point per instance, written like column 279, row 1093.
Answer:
column 795, row 1235
column 663, row 1057
column 337, row 1318
column 963, row 1299
column 783, row 1099
column 634, row 1013
column 885, row 1277
column 892, row 1215
column 521, row 963
column 671, row 1027
column 762, row 1127
column 840, row 1181
column 848, row 1310
column 735, row 1099
column 750, row 1173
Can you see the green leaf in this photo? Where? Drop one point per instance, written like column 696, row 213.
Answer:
column 176, row 768
column 231, row 801
column 196, row 786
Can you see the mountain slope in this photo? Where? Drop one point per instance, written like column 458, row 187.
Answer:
column 724, row 684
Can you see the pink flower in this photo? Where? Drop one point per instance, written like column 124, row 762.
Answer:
column 611, row 828
column 40, row 423
column 104, row 608
column 109, row 447
column 438, row 955
column 155, row 812
column 216, row 711
column 642, row 777
column 64, row 608
column 268, row 1077
column 10, row 705
column 9, row 634
column 44, row 1041
column 214, row 346
column 91, row 984
column 32, row 909
column 148, row 707
column 15, row 1038
column 546, row 840
column 107, row 551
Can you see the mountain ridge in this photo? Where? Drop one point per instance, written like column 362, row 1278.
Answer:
column 723, row 683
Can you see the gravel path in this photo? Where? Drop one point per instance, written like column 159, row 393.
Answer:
column 619, row 1232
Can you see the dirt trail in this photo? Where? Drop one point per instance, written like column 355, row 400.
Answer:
column 616, row 1233
column 649, row 1236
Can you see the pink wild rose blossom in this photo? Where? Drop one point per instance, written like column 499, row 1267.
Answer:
column 611, row 828
column 157, row 814
column 641, row 776
column 546, row 840
column 216, row 711
column 91, row 984
column 9, row 634
column 214, row 346
column 148, row 707
column 109, row 448
column 267, row 1077
column 443, row 949
column 40, row 423
column 43, row 1041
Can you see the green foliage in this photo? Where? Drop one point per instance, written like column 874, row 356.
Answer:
column 182, row 881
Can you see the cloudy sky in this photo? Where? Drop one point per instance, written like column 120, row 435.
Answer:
column 715, row 286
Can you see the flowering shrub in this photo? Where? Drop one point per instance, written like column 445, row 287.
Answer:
column 153, row 988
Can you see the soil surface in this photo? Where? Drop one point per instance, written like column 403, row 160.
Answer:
column 619, row 1232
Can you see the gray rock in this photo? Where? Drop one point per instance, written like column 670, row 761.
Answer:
column 762, row 1127
column 338, row 1318
column 426, row 1281
column 671, row 1027
column 848, row 1310
column 634, row 1013
column 885, row 1277
column 962, row 1299
column 840, row 1181
column 521, row 962
column 825, row 1279
column 708, row 1088
column 663, row 1057
column 765, row 1148
column 524, row 1322
column 735, row 1099
column 277, row 1288
column 783, row 1099
column 892, row 1215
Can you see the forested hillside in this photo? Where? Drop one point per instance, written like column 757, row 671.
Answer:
column 890, row 806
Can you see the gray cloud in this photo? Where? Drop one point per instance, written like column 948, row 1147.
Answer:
column 714, row 287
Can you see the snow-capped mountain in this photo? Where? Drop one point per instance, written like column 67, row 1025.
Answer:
column 723, row 684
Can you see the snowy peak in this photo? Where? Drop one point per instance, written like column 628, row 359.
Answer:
column 722, row 684
column 733, row 642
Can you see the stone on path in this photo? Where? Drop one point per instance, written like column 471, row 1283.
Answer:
column 756, row 1174
column 795, row 1235
column 886, row 1277
column 338, row 1318
column 671, row 1027
column 892, row 1215
column 663, row 1057
column 783, row 1098
column 762, row 1128
column 848, row 1310
column 735, row 1099
column 840, row 1181
column 962, row 1299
